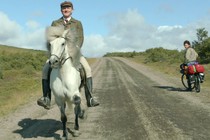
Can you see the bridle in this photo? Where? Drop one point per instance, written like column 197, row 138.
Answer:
column 61, row 59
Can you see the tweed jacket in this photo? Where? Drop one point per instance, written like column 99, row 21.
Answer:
column 73, row 23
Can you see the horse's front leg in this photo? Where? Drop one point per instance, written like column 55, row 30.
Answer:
column 77, row 111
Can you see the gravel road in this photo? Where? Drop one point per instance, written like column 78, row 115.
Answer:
column 136, row 103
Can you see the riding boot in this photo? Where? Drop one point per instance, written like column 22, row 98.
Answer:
column 88, row 90
column 45, row 100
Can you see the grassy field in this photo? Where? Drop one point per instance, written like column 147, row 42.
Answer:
column 171, row 69
column 21, row 71
column 21, row 80
column 18, row 85
column 17, row 89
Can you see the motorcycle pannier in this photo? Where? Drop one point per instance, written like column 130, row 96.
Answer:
column 191, row 69
column 199, row 68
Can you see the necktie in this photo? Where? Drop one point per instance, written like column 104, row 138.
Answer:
column 66, row 21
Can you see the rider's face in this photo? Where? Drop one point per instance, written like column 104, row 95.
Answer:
column 186, row 45
column 66, row 11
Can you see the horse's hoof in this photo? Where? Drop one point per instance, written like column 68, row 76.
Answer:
column 76, row 133
column 64, row 138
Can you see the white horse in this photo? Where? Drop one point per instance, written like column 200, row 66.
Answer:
column 65, row 79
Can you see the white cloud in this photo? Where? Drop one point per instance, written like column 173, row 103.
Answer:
column 11, row 33
column 9, row 29
column 33, row 40
column 94, row 46
column 32, row 25
column 129, row 31
column 168, row 28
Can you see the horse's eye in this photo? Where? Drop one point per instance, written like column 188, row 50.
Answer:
column 63, row 44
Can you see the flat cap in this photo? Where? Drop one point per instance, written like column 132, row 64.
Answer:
column 66, row 4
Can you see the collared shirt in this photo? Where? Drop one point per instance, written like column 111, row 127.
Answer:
column 66, row 19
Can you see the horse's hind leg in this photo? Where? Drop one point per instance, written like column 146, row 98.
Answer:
column 64, row 120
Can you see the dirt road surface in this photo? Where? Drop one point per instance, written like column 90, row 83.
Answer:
column 136, row 103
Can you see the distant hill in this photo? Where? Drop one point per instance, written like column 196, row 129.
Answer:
column 19, row 58
column 12, row 49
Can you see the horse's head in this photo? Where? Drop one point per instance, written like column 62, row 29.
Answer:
column 56, row 45
column 59, row 39
column 57, row 51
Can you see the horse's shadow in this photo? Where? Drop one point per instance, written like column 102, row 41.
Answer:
column 33, row 128
column 170, row 88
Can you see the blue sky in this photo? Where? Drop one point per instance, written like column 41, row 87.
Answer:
column 109, row 25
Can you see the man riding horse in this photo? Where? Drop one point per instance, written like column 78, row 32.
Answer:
column 67, row 22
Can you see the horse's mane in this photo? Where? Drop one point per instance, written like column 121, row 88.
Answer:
column 71, row 37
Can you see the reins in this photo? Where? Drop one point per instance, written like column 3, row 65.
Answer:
column 66, row 60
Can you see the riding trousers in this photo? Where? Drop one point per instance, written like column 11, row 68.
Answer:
column 83, row 61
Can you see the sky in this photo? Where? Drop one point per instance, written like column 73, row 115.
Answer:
column 109, row 25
